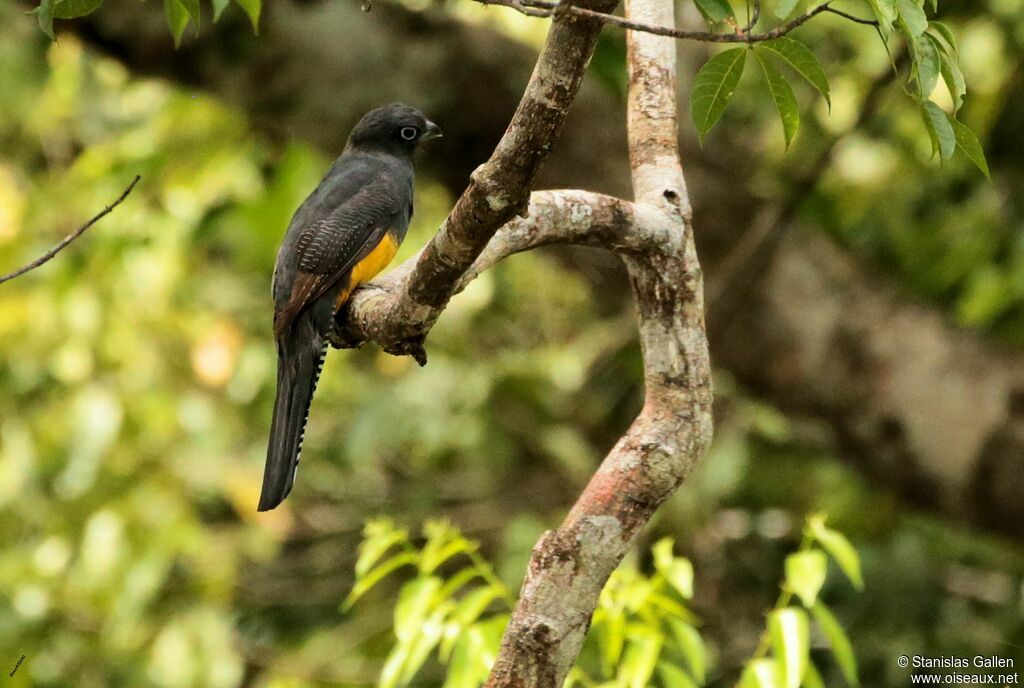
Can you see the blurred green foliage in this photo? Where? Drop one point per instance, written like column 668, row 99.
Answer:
column 136, row 376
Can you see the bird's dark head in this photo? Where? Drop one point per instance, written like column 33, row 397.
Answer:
column 394, row 128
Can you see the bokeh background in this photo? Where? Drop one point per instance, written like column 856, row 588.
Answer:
column 866, row 308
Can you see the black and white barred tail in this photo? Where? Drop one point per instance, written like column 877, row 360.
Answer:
column 299, row 366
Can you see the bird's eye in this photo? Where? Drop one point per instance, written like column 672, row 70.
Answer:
column 409, row 133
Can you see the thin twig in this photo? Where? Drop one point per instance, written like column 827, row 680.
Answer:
column 548, row 8
column 752, row 19
column 856, row 20
column 46, row 257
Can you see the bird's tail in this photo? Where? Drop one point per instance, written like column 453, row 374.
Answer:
column 298, row 370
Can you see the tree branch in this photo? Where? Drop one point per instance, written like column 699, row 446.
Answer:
column 46, row 257
column 548, row 8
column 569, row 566
column 498, row 191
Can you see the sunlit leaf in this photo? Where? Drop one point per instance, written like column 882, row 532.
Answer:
column 177, row 19
column 805, row 574
column 842, row 650
column 761, row 673
column 791, row 643
column 689, row 642
column 470, row 607
column 812, row 679
column 674, row 677
column 380, row 536
column 714, row 86
column 782, row 95
column 640, row 661
column 840, row 549
column 415, row 601
column 800, row 58
column 218, row 8
column 377, row 575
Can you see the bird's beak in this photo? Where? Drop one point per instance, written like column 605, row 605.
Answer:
column 433, row 132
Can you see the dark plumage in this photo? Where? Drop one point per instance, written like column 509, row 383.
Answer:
column 341, row 236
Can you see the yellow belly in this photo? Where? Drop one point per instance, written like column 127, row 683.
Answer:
column 369, row 267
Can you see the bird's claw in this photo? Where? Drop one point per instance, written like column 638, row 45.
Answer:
column 409, row 347
column 338, row 340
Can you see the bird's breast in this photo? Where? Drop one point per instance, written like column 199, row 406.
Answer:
column 370, row 266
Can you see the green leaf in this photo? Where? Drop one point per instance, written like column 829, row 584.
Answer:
column 885, row 14
column 805, row 574
column 954, row 79
column 678, row 571
column 674, row 677
column 456, row 582
column 791, row 643
column 192, row 7
column 436, row 553
column 611, row 637
column 812, row 679
column 840, row 549
column 927, row 67
column 946, row 33
column 761, row 673
column 421, row 646
column 252, row 8
column 802, row 60
column 968, row 143
column 70, row 9
column 912, row 17
column 218, row 8
column 785, row 8
column 782, row 94
column 415, row 600
column 470, row 607
column 44, row 15
column 939, row 129
column 375, row 576
column 838, row 640
column 378, row 538
column 715, row 10
column 640, row 661
column 934, row 4
column 177, row 19
column 714, row 86
column 690, row 643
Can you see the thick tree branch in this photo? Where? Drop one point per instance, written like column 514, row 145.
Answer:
column 66, row 241
column 498, row 191
column 570, row 565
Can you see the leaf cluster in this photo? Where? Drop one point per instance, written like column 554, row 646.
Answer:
column 931, row 45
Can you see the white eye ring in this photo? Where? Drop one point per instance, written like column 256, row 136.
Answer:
column 409, row 133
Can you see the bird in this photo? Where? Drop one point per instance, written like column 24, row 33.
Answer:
column 341, row 236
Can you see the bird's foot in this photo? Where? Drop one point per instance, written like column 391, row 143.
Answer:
column 410, row 347
column 339, row 340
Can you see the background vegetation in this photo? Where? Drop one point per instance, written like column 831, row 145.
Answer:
column 136, row 380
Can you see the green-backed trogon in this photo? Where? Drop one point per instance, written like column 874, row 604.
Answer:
column 345, row 233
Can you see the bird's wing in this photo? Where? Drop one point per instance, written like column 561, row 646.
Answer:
column 328, row 247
